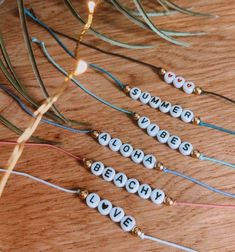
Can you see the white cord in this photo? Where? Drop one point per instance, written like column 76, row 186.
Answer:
column 40, row 181
column 171, row 244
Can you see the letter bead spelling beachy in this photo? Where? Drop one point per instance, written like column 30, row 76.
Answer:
column 155, row 102
column 137, row 156
column 126, row 150
column 186, row 148
column 187, row 116
column 149, row 161
column 93, row 200
column 145, row 97
column 157, row 196
column 115, row 144
column 104, row 138
column 97, row 168
column 132, row 185
column 144, row 191
column 120, row 179
column 143, row 122
column 127, row 223
column 104, row 207
column 152, row 129
column 116, row 214
column 176, row 111
column 169, row 77
column 174, row 142
column 135, row 93
column 108, row 173
column 178, row 82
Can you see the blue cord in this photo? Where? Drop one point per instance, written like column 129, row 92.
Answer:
column 203, row 157
column 50, row 59
column 212, row 126
column 231, row 195
column 24, row 108
column 53, row 34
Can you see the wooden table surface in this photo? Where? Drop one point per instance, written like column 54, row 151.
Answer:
column 37, row 218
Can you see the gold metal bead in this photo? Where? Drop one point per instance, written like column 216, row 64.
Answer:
column 196, row 120
column 196, row 154
column 168, row 201
column 83, row 194
column 126, row 89
column 159, row 166
column 197, row 90
column 162, row 71
column 136, row 231
column 136, row 116
column 95, row 134
column 87, row 163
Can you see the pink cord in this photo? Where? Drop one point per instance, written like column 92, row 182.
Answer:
column 182, row 203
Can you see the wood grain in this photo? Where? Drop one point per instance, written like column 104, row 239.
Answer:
column 36, row 218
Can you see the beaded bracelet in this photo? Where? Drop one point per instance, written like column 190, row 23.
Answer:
column 105, row 208
column 153, row 130
column 176, row 111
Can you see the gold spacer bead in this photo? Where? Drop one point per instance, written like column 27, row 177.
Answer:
column 87, row 163
column 126, row 89
column 95, row 134
column 196, row 120
column 196, row 154
column 159, row 166
column 136, row 231
column 168, row 201
column 162, row 71
column 83, row 194
column 197, row 90
column 136, row 116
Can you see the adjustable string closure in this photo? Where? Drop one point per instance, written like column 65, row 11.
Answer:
column 135, row 93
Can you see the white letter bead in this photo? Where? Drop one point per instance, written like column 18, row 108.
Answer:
column 135, row 93
column 144, row 191
column 115, row 144
column 104, row 138
column 126, row 150
column 108, row 174
column 188, row 87
column 104, row 207
column 143, row 122
column 162, row 136
column 155, row 102
column 132, row 185
column 186, row 148
column 127, row 223
column 116, row 214
column 165, row 107
column 187, row 116
column 145, row 97
column 174, row 142
column 97, row 168
column 178, row 82
column 157, row 196
column 149, row 161
column 176, row 111
column 120, row 179
column 152, row 129
column 137, row 156
column 93, row 200
column 169, row 77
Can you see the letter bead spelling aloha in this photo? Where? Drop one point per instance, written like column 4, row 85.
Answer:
column 104, row 138
column 149, row 161
column 126, row 150
column 115, row 144
column 137, row 156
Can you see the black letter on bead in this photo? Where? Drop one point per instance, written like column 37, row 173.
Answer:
column 144, row 120
column 135, row 91
column 158, row 195
column 145, row 95
column 186, row 146
column 188, row 114
column 145, row 190
column 91, row 199
column 129, row 185
column 137, row 154
column 175, row 109
column 104, row 137
column 163, row 134
column 119, row 178
column 165, row 104
column 126, row 148
column 116, row 213
column 97, row 167
column 107, row 173
column 127, row 222
column 149, row 159
column 174, row 139
column 154, row 100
